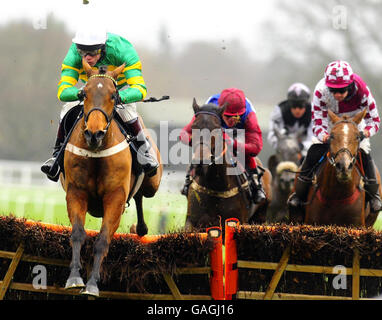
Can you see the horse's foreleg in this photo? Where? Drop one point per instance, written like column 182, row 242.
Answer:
column 114, row 206
column 141, row 224
column 77, row 207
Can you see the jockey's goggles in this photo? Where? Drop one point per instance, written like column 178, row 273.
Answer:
column 92, row 53
column 233, row 116
column 296, row 104
column 339, row 90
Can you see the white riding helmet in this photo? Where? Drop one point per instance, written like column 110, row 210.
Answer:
column 298, row 91
column 90, row 36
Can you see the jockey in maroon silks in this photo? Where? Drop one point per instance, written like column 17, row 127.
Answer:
column 344, row 93
column 239, row 114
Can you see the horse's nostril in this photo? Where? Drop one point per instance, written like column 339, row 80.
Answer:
column 87, row 134
column 99, row 135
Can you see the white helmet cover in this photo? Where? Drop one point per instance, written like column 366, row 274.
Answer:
column 90, row 36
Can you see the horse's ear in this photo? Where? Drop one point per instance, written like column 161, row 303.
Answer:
column 359, row 116
column 333, row 117
column 117, row 71
column 222, row 108
column 195, row 106
column 88, row 69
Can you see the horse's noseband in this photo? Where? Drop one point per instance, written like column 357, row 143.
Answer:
column 108, row 119
column 332, row 159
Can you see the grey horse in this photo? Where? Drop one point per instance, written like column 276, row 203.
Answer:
column 283, row 165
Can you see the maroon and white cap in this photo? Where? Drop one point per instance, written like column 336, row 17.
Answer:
column 338, row 74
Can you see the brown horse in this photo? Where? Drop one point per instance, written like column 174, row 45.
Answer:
column 338, row 197
column 99, row 176
column 214, row 195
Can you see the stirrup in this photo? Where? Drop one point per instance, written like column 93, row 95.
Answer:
column 294, row 201
column 375, row 204
column 259, row 195
column 186, row 186
column 51, row 169
column 184, row 190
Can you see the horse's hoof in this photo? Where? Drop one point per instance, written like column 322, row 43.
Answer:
column 142, row 229
column 91, row 290
column 74, row 282
column 133, row 228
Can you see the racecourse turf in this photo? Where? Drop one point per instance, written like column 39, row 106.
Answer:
column 164, row 213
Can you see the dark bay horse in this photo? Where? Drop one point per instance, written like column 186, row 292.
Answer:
column 99, row 177
column 338, row 197
column 215, row 195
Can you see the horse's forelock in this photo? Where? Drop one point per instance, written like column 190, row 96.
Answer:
column 102, row 69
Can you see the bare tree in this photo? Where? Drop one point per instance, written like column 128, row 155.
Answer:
column 315, row 32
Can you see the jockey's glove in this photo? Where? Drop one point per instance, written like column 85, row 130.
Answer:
column 117, row 98
column 81, row 95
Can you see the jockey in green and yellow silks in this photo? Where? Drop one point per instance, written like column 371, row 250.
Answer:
column 113, row 53
column 99, row 48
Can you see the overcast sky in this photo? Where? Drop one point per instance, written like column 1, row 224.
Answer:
column 140, row 21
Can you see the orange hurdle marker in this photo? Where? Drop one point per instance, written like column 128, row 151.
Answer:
column 216, row 255
column 230, row 268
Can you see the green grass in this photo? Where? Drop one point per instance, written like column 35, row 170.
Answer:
column 378, row 223
column 163, row 213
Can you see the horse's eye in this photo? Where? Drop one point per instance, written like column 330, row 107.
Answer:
column 331, row 137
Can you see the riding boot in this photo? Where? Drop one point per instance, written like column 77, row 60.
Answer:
column 297, row 198
column 370, row 184
column 315, row 155
column 50, row 167
column 258, row 193
column 187, row 182
column 145, row 153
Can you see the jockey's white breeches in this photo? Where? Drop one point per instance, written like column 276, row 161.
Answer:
column 127, row 112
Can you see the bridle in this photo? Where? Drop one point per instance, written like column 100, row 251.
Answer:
column 114, row 95
column 219, row 194
column 332, row 158
column 225, row 147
